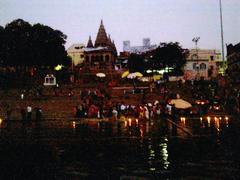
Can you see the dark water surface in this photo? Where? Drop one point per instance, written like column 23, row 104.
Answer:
column 186, row 148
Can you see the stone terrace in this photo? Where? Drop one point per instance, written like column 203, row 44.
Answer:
column 62, row 106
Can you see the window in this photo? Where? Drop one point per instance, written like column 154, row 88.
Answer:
column 203, row 66
column 87, row 59
column 107, row 58
column 194, row 57
column 97, row 58
column 212, row 58
column 49, row 80
column 82, row 56
column 194, row 65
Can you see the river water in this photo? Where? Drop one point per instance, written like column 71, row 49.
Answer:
column 164, row 148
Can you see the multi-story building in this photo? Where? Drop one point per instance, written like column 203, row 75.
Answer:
column 76, row 52
column 202, row 63
column 139, row 49
column 233, row 61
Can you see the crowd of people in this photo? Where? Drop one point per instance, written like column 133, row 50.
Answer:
column 98, row 104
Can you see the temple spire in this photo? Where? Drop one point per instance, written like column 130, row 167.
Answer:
column 114, row 48
column 102, row 39
column 89, row 44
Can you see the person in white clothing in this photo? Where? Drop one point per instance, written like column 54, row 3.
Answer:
column 29, row 113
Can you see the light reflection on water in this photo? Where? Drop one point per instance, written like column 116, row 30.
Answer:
column 183, row 127
column 154, row 135
column 136, row 145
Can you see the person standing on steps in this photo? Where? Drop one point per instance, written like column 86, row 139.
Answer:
column 29, row 114
column 38, row 114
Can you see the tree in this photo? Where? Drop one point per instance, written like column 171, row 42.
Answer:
column 17, row 44
column 169, row 55
column 136, row 63
column 48, row 46
column 33, row 46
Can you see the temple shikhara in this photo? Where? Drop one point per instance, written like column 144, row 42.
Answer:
column 102, row 54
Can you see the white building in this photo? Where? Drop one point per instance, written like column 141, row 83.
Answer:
column 202, row 63
column 76, row 52
column 50, row 80
column 139, row 49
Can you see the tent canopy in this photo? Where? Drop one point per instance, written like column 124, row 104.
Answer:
column 101, row 75
column 180, row 103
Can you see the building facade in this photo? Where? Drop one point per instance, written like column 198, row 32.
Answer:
column 202, row 63
column 233, row 61
column 138, row 49
column 102, row 55
column 76, row 52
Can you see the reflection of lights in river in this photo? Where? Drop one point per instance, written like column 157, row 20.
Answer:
column 151, row 155
column 227, row 123
column 151, row 123
column 74, row 124
column 125, row 124
column 147, row 127
column 164, row 154
column 130, row 122
column 1, row 121
column 183, row 121
column 201, row 120
column 208, row 121
column 137, row 122
column 217, row 123
column 141, row 133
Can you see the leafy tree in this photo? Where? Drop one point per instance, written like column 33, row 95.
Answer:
column 17, row 47
column 169, row 55
column 136, row 63
column 48, row 46
column 33, row 46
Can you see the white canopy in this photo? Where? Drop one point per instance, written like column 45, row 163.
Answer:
column 101, row 75
column 180, row 103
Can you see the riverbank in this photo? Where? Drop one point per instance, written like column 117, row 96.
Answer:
column 61, row 103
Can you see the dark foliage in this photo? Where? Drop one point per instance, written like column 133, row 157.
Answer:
column 169, row 55
column 23, row 44
column 136, row 63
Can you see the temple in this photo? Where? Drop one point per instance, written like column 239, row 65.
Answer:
column 103, row 54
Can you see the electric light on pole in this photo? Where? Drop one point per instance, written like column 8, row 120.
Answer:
column 196, row 39
column 224, row 64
